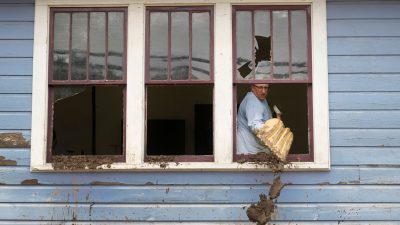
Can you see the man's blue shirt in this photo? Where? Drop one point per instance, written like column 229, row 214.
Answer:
column 251, row 116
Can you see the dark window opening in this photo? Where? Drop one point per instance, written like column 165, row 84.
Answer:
column 87, row 120
column 292, row 101
column 179, row 120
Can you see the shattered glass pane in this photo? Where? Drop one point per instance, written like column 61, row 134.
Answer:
column 61, row 46
column 115, row 45
column 262, row 28
column 179, row 45
column 280, row 44
column 97, row 45
column 201, row 46
column 299, row 45
column 79, row 46
column 158, row 46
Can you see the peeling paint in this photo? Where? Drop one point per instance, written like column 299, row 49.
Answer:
column 105, row 183
column 30, row 182
column 7, row 162
column 13, row 140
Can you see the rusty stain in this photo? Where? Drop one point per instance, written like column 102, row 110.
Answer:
column 30, row 182
column 81, row 162
column 105, row 183
column 7, row 162
column 13, row 140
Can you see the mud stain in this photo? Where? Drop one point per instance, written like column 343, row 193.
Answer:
column 13, row 140
column 7, row 162
column 30, row 182
column 161, row 160
column 276, row 187
column 81, row 162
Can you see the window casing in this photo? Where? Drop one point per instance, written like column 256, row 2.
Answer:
column 179, row 83
column 135, row 101
column 87, row 80
column 285, row 30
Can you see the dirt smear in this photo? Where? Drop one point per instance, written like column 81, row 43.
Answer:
column 7, row 162
column 13, row 140
column 81, row 162
column 30, row 182
column 262, row 211
column 266, row 160
column 161, row 160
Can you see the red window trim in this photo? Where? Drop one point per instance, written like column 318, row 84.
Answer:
column 53, row 11
column 291, row 157
column 208, row 9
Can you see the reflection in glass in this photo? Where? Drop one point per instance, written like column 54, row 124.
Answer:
column 244, row 44
column 299, row 45
column 280, row 44
column 262, row 28
column 115, row 45
column 179, row 45
column 97, row 45
column 201, row 46
column 158, row 46
column 61, row 46
column 79, row 46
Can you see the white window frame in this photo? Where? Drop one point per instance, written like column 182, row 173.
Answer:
column 223, row 88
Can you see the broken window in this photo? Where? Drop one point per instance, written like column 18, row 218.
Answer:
column 272, row 45
column 179, row 83
column 87, row 81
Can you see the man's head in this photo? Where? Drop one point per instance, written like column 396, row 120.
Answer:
column 260, row 90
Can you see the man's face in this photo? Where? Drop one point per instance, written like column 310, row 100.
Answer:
column 260, row 90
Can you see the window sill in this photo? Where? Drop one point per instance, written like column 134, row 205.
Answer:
column 189, row 166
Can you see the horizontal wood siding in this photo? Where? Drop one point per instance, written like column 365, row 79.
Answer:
column 362, row 187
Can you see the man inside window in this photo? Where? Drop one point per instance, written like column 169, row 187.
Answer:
column 253, row 112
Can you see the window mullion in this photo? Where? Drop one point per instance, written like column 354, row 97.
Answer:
column 223, row 105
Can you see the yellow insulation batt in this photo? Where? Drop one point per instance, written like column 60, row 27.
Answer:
column 278, row 138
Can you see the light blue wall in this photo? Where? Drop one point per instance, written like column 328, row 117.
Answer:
column 363, row 184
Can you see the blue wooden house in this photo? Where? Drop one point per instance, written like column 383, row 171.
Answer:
column 124, row 111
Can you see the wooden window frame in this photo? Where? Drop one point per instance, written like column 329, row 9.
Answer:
column 222, row 79
column 69, row 82
column 189, row 81
column 309, row 157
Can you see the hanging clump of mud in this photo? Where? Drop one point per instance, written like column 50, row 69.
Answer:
column 262, row 211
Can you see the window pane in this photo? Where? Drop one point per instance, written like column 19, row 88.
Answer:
column 61, row 46
column 97, row 45
column 179, row 45
column 115, row 45
column 158, row 46
column 299, row 45
column 244, row 44
column 280, row 43
column 87, row 120
column 262, row 29
column 201, row 46
column 179, row 120
column 79, row 45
